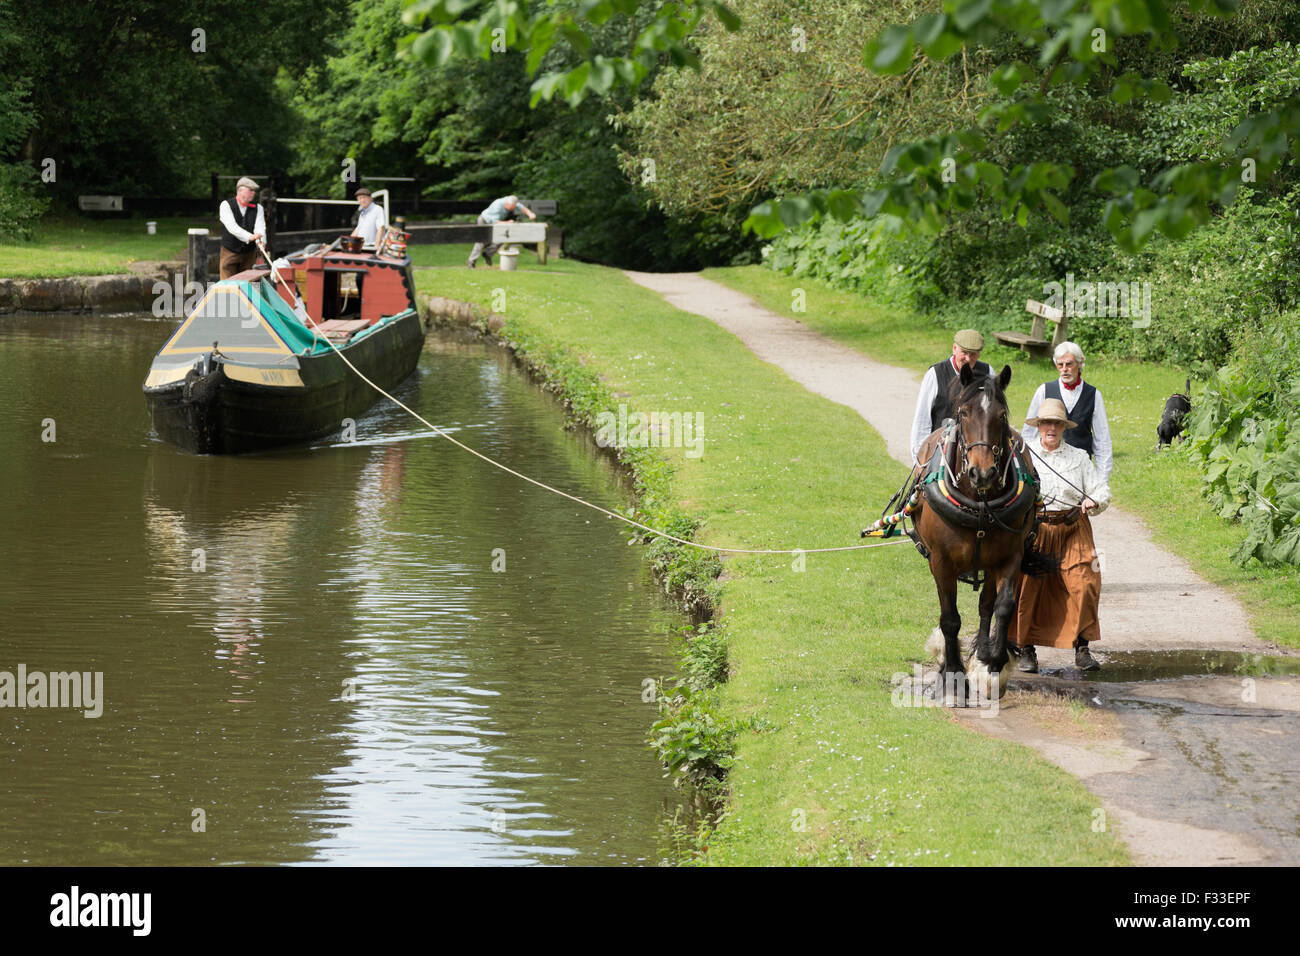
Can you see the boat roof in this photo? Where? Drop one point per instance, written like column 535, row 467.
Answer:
column 243, row 315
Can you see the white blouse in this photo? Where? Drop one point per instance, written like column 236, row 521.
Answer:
column 1074, row 465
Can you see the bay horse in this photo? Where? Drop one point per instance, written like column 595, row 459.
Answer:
column 978, row 515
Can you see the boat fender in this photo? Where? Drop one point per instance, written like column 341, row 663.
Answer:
column 203, row 380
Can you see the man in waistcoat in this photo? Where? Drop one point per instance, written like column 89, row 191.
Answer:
column 933, row 405
column 1083, row 402
column 242, row 226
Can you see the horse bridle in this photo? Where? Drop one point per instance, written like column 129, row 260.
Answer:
column 963, row 446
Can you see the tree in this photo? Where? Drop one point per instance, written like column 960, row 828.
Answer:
column 1067, row 42
column 146, row 96
column 468, row 28
column 1075, row 45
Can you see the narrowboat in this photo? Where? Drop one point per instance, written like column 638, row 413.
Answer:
column 255, row 366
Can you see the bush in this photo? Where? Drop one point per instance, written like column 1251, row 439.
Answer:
column 22, row 202
column 1245, row 434
column 1241, row 269
column 869, row 257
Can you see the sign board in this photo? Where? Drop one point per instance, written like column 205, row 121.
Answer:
column 522, row 232
column 100, row 203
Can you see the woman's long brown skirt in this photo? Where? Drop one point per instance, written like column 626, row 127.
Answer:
column 1055, row 609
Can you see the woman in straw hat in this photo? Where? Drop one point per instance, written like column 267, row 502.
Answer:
column 1060, row 610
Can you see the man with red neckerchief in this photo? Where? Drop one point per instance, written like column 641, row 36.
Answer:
column 243, row 225
column 1084, row 404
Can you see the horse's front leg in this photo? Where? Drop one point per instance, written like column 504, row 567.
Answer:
column 952, row 673
column 995, row 656
column 1002, row 611
column 987, row 596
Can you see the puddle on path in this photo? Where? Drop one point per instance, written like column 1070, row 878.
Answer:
column 1128, row 666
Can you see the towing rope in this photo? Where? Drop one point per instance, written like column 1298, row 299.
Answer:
column 541, row 484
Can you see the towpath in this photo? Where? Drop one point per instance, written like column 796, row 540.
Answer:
column 1193, row 774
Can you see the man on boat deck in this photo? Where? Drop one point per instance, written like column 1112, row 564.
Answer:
column 933, row 405
column 1084, row 404
column 370, row 219
column 505, row 209
column 242, row 226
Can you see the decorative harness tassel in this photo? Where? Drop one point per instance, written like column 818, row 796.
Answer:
column 888, row 526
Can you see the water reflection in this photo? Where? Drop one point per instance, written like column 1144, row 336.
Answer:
column 311, row 646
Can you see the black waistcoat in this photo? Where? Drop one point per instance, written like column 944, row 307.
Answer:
column 941, row 408
column 1080, row 436
column 247, row 221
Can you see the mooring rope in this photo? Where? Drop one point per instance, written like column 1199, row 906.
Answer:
column 541, row 484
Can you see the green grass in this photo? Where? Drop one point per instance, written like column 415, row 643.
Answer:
column 836, row 774
column 77, row 247
column 1164, row 488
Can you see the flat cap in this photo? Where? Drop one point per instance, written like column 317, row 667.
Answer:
column 363, row 191
column 245, row 181
column 969, row 340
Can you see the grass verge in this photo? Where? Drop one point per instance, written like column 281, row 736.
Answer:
column 87, row 247
column 825, row 768
column 1164, row 488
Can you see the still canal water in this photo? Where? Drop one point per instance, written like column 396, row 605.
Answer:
column 307, row 656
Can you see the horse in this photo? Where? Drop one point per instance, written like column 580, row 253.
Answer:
column 978, row 515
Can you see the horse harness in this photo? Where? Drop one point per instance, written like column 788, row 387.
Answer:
column 1013, row 511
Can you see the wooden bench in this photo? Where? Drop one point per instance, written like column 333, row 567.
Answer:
column 1036, row 342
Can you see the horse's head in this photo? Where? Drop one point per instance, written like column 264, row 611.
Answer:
column 981, row 408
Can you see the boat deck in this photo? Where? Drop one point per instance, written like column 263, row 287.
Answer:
column 341, row 330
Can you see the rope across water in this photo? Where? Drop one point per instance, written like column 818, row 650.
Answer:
column 543, row 485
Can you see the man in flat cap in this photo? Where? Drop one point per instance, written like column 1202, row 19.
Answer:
column 370, row 219
column 934, row 404
column 242, row 226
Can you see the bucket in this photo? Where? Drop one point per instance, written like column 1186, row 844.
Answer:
column 509, row 255
column 151, row 227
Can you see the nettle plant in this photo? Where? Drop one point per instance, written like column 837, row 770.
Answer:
column 1245, row 431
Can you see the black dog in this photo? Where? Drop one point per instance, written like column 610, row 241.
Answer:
column 1171, row 422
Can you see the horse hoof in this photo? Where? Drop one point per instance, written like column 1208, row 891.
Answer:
column 954, row 688
column 986, row 684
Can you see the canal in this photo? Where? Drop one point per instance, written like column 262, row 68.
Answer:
column 376, row 652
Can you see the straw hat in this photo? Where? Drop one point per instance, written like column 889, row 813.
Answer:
column 1052, row 410
column 969, row 340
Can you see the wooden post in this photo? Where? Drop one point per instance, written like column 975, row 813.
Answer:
column 216, row 188
column 196, row 269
